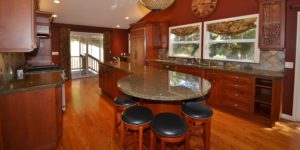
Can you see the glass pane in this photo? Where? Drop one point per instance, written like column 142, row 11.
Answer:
column 232, row 51
column 186, row 50
column 250, row 34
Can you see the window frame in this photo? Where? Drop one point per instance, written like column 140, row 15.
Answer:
column 207, row 41
column 170, row 51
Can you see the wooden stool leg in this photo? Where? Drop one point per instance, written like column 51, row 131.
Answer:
column 207, row 128
column 163, row 145
column 122, row 136
column 152, row 141
column 140, row 138
column 187, row 142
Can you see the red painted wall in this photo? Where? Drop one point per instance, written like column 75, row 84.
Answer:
column 290, row 53
column 180, row 13
column 119, row 38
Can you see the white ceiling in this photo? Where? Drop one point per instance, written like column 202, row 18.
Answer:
column 99, row 13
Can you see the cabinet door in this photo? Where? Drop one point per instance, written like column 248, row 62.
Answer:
column 191, row 70
column 17, row 26
column 137, row 46
column 272, row 24
column 213, row 77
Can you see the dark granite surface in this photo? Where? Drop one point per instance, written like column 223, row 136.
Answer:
column 33, row 81
column 254, row 72
column 150, row 83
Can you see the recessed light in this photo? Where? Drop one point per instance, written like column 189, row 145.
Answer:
column 126, row 18
column 118, row 26
column 54, row 16
column 56, row 1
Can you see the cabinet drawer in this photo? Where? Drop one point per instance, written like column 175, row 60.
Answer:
column 242, row 88
column 242, row 79
column 246, row 107
column 237, row 96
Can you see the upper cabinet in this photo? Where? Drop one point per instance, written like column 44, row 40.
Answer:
column 146, row 38
column 43, row 22
column 272, row 24
column 17, row 25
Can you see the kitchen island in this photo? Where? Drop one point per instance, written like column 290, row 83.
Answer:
column 249, row 93
column 31, row 111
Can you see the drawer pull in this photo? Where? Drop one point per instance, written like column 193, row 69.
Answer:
column 237, row 77
column 236, row 95
column 235, row 105
column 236, row 85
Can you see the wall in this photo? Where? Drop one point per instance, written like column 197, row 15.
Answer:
column 290, row 53
column 180, row 13
column 119, row 38
column 7, row 60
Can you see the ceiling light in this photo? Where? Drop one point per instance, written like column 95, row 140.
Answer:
column 118, row 26
column 54, row 16
column 56, row 1
column 126, row 18
column 157, row 5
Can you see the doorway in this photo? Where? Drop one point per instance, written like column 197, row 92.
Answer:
column 86, row 53
column 296, row 105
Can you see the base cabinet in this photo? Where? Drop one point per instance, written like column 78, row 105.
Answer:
column 31, row 120
column 108, row 78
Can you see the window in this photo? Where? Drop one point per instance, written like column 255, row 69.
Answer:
column 185, row 40
column 232, row 39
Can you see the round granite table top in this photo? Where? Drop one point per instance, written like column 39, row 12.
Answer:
column 163, row 85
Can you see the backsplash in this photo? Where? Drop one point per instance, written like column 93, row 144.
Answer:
column 10, row 61
column 269, row 61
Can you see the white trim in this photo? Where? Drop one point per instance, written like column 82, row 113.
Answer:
column 206, row 39
column 296, row 101
column 170, row 52
column 287, row 117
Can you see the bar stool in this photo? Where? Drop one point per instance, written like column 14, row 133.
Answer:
column 135, row 118
column 169, row 128
column 198, row 115
column 122, row 102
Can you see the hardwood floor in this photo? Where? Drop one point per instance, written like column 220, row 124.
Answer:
column 88, row 125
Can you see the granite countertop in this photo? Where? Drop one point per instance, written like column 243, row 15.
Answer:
column 33, row 81
column 150, row 83
column 255, row 72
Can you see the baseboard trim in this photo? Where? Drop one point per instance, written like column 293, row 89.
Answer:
column 287, row 117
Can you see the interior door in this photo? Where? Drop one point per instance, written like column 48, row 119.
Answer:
column 296, row 105
column 137, row 46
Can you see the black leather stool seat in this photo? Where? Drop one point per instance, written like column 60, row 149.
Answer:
column 137, row 115
column 169, row 125
column 197, row 110
column 125, row 100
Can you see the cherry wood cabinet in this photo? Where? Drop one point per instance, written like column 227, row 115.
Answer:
column 191, row 70
column 17, row 29
column 43, row 22
column 272, row 24
column 31, row 119
column 214, row 78
column 108, row 78
column 237, row 91
column 153, row 35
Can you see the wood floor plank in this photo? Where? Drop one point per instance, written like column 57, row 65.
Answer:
column 88, row 125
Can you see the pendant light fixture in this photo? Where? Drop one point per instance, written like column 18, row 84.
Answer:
column 156, row 5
